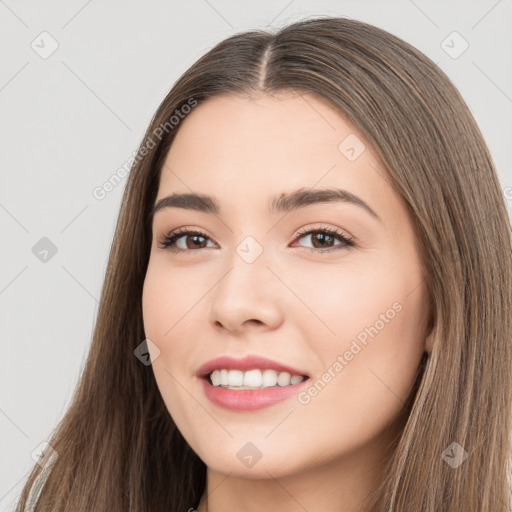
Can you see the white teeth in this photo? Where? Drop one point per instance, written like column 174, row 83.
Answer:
column 284, row 378
column 269, row 378
column 215, row 377
column 236, row 378
column 224, row 377
column 253, row 379
column 295, row 379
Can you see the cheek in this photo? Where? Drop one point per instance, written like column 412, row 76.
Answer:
column 346, row 298
column 371, row 341
column 172, row 310
column 164, row 311
column 161, row 311
column 167, row 298
column 154, row 307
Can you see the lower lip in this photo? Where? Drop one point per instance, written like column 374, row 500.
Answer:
column 249, row 399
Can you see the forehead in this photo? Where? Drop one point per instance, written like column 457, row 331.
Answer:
column 241, row 148
column 269, row 128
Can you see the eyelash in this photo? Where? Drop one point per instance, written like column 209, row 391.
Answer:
column 169, row 240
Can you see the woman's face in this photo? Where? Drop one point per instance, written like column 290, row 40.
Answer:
column 271, row 275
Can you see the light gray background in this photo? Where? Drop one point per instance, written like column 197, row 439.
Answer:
column 69, row 121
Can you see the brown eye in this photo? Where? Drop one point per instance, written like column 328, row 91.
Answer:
column 321, row 240
column 194, row 241
column 325, row 239
column 191, row 240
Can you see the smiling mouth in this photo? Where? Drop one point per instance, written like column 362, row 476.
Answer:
column 252, row 379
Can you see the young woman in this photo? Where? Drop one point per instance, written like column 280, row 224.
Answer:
column 307, row 304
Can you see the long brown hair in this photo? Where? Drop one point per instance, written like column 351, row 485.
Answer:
column 118, row 448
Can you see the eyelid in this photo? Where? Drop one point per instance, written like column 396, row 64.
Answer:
column 333, row 230
column 346, row 240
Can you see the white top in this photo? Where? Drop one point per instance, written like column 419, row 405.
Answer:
column 37, row 487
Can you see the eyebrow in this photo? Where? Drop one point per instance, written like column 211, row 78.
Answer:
column 284, row 203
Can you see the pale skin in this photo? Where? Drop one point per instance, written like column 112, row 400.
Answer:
column 294, row 303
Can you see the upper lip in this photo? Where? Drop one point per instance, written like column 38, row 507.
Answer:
column 249, row 362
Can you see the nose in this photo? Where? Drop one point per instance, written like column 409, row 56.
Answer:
column 247, row 296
